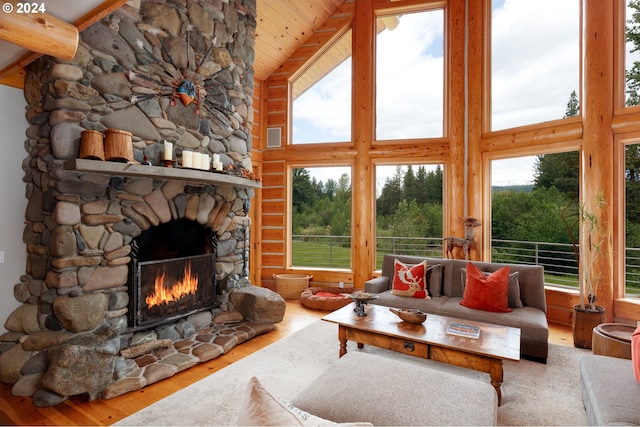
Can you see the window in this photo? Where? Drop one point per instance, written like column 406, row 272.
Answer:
column 409, row 210
column 534, row 214
column 410, row 76
column 535, row 60
column 321, row 97
column 632, row 220
column 321, row 217
column 632, row 50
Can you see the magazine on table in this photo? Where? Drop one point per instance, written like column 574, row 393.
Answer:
column 463, row 330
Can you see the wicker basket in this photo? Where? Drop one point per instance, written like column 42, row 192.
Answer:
column 291, row 285
column 92, row 145
column 118, row 146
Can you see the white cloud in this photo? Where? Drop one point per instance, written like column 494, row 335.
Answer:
column 535, row 68
column 409, row 75
column 535, row 60
column 516, row 171
column 325, row 108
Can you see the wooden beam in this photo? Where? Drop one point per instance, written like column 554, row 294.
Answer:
column 363, row 191
column 597, row 152
column 455, row 118
column 13, row 74
column 477, row 198
column 39, row 32
column 15, row 79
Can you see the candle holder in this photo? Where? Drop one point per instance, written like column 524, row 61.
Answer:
column 168, row 163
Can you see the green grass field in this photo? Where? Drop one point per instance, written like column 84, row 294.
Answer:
column 309, row 254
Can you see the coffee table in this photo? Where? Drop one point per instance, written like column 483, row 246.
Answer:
column 429, row 340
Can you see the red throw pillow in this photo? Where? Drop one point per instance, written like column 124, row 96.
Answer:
column 409, row 280
column 635, row 353
column 488, row 293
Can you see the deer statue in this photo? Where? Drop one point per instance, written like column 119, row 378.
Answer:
column 465, row 243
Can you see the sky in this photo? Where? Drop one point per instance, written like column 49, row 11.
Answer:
column 535, row 67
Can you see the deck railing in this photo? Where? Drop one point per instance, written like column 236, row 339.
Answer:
column 558, row 259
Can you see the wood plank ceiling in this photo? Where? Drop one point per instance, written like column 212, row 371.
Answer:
column 282, row 26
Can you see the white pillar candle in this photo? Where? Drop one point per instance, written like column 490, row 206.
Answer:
column 206, row 162
column 217, row 166
column 187, row 159
column 197, row 160
column 168, row 151
column 216, row 158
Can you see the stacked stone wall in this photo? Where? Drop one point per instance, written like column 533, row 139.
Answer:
column 79, row 225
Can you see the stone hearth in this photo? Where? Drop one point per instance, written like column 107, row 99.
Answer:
column 71, row 334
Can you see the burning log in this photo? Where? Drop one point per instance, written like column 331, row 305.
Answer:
column 164, row 294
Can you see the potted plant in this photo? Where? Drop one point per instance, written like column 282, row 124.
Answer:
column 587, row 314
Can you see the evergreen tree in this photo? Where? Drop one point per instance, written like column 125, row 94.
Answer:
column 411, row 189
column 330, row 188
column 573, row 106
column 632, row 34
column 303, row 192
column 433, row 186
column 421, row 180
column 632, row 187
column 561, row 170
column 391, row 194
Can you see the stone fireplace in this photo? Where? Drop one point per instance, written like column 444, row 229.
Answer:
column 101, row 234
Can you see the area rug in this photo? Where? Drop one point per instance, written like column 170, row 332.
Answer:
column 532, row 393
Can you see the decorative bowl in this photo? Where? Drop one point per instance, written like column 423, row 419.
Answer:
column 360, row 296
column 410, row 315
column 360, row 299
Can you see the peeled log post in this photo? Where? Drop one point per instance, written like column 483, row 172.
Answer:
column 39, row 32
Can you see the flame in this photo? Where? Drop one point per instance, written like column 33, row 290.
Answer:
column 164, row 294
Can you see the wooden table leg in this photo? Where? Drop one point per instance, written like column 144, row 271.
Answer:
column 342, row 337
column 496, row 373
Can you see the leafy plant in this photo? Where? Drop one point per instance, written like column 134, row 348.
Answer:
column 592, row 251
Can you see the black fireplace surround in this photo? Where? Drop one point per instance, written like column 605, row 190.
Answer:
column 172, row 273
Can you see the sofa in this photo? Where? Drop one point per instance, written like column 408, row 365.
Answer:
column 610, row 391
column 446, row 288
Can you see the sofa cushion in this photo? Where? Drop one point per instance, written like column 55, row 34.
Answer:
column 428, row 305
column 488, row 293
column 434, row 280
column 635, row 353
column 513, row 295
column 409, row 280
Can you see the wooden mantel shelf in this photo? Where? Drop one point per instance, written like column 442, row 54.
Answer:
column 178, row 174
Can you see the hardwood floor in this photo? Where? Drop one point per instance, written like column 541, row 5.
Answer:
column 79, row 411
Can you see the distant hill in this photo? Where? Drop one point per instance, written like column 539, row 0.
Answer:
column 522, row 188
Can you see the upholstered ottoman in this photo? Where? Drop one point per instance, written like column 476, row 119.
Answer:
column 610, row 392
column 328, row 299
column 385, row 391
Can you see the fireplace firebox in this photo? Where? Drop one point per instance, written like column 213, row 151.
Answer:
column 172, row 273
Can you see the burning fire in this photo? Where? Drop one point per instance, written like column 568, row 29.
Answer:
column 164, row 294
